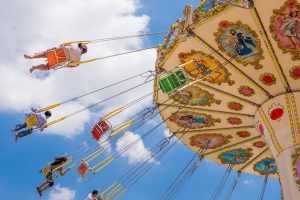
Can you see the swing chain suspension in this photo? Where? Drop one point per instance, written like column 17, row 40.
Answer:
column 222, row 183
column 148, row 76
column 262, row 194
column 233, row 186
column 184, row 175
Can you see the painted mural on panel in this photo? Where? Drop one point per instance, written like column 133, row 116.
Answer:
column 235, row 156
column 209, row 8
column 239, row 42
column 195, row 96
column 193, row 120
column 209, row 140
column 266, row 166
column 204, row 65
column 296, row 166
column 285, row 28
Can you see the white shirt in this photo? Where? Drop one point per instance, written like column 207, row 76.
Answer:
column 89, row 197
column 73, row 53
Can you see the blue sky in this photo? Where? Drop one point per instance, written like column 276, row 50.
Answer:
column 20, row 162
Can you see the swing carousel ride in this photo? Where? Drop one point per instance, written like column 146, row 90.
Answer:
column 226, row 84
column 236, row 86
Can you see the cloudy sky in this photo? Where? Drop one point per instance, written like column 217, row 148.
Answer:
column 31, row 26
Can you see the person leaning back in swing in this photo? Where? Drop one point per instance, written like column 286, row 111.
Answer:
column 55, row 166
column 93, row 196
column 59, row 56
column 41, row 121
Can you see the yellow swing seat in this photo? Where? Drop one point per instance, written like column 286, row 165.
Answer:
column 32, row 120
column 46, row 170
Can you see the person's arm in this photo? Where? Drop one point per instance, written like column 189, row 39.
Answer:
column 63, row 172
column 33, row 110
column 72, row 65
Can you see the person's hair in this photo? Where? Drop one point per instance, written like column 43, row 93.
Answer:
column 95, row 192
column 232, row 31
column 59, row 160
column 48, row 113
column 291, row 14
column 82, row 47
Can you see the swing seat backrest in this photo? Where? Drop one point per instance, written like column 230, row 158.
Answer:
column 101, row 128
column 83, row 169
column 172, row 81
column 56, row 57
column 46, row 170
column 32, row 120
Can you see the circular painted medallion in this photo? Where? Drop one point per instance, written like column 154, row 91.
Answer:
column 243, row 134
column 260, row 128
column 295, row 72
column 267, row 79
column 276, row 111
column 259, row 144
column 246, row 91
column 234, row 120
column 235, row 106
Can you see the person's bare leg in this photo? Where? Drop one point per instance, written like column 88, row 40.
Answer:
column 293, row 40
column 44, row 186
column 42, row 67
column 39, row 55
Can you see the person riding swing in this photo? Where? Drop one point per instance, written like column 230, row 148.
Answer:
column 34, row 120
column 64, row 55
column 55, row 166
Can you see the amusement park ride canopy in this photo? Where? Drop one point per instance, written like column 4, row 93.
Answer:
column 238, row 92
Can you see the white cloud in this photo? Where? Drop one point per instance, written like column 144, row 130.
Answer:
column 50, row 24
column 248, row 181
column 167, row 133
column 61, row 193
column 136, row 152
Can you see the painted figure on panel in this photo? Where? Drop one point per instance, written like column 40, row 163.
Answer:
column 239, row 42
column 244, row 45
column 204, row 66
column 209, row 140
column 285, row 28
column 193, row 120
column 266, row 166
column 235, row 156
column 194, row 95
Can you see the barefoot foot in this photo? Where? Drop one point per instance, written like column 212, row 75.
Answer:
column 27, row 57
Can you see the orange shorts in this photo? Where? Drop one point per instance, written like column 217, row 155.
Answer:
column 56, row 57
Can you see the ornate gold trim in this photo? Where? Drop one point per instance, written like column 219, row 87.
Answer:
column 270, row 130
column 291, row 119
column 294, row 157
